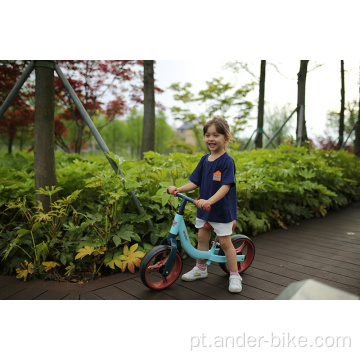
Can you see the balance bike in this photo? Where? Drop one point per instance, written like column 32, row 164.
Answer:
column 162, row 265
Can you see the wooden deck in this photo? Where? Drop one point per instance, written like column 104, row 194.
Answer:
column 325, row 249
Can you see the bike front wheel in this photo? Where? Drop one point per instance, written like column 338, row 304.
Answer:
column 152, row 266
column 243, row 246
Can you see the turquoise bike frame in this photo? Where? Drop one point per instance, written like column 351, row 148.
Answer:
column 179, row 228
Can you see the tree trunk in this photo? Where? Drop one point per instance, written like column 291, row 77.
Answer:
column 342, row 110
column 357, row 136
column 148, row 135
column 357, row 131
column 260, row 124
column 301, row 99
column 44, row 154
column 10, row 144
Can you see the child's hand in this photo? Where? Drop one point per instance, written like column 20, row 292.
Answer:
column 170, row 190
column 203, row 203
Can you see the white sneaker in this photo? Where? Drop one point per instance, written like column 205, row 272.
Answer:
column 235, row 285
column 195, row 274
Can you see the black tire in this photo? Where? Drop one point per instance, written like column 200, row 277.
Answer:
column 243, row 246
column 152, row 265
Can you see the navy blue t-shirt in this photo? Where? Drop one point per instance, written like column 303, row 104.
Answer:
column 210, row 176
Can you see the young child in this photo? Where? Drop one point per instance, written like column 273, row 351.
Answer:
column 215, row 175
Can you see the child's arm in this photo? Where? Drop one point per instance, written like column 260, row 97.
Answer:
column 216, row 197
column 185, row 188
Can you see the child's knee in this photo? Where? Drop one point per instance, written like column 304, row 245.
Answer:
column 204, row 236
column 225, row 242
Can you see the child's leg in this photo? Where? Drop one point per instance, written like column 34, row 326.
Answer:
column 235, row 279
column 199, row 271
column 230, row 253
column 204, row 236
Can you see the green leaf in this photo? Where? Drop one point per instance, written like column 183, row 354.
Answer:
column 165, row 198
column 22, row 232
column 131, row 184
column 126, row 233
column 37, row 226
column 63, row 259
column 307, row 174
column 117, row 240
column 42, row 250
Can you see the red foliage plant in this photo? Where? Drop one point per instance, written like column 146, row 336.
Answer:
column 327, row 143
column 19, row 117
column 109, row 87
column 105, row 86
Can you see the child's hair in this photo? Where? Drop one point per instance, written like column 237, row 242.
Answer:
column 221, row 126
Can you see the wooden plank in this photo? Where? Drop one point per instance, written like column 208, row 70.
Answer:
column 319, row 263
column 11, row 290
column 29, row 293
column 297, row 244
column 140, row 291
column 216, row 286
column 316, row 238
column 51, row 295
column 106, row 281
column 312, row 257
column 311, row 272
column 256, row 282
column 298, row 276
column 90, row 296
column 179, row 292
column 312, row 242
column 74, row 295
column 6, row 280
column 113, row 293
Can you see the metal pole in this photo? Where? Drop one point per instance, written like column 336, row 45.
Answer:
column 268, row 139
column 280, row 128
column 344, row 143
column 252, row 143
column 301, row 115
column 250, row 139
column 16, row 88
column 96, row 134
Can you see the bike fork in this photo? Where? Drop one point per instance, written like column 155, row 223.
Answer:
column 172, row 240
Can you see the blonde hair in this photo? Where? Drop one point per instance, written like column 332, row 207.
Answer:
column 222, row 127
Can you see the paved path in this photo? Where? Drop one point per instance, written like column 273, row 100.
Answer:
column 325, row 249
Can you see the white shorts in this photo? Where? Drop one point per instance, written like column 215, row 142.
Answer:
column 221, row 229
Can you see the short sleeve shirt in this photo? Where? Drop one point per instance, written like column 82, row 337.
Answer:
column 210, row 176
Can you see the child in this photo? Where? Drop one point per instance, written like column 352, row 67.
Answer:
column 215, row 175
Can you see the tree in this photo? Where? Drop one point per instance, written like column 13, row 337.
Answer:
column 301, row 99
column 342, row 109
column 17, row 120
column 357, row 137
column 92, row 81
column 260, row 124
column 44, row 152
column 148, row 134
column 218, row 99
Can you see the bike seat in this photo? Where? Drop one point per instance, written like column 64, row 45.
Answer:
column 208, row 226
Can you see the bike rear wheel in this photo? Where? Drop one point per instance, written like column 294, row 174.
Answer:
column 152, row 266
column 243, row 246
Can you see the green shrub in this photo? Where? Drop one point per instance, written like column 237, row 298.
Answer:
column 94, row 228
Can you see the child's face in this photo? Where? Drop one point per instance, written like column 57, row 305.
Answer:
column 214, row 140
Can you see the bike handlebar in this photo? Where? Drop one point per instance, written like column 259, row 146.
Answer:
column 206, row 207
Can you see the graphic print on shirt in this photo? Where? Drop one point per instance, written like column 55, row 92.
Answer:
column 217, row 176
